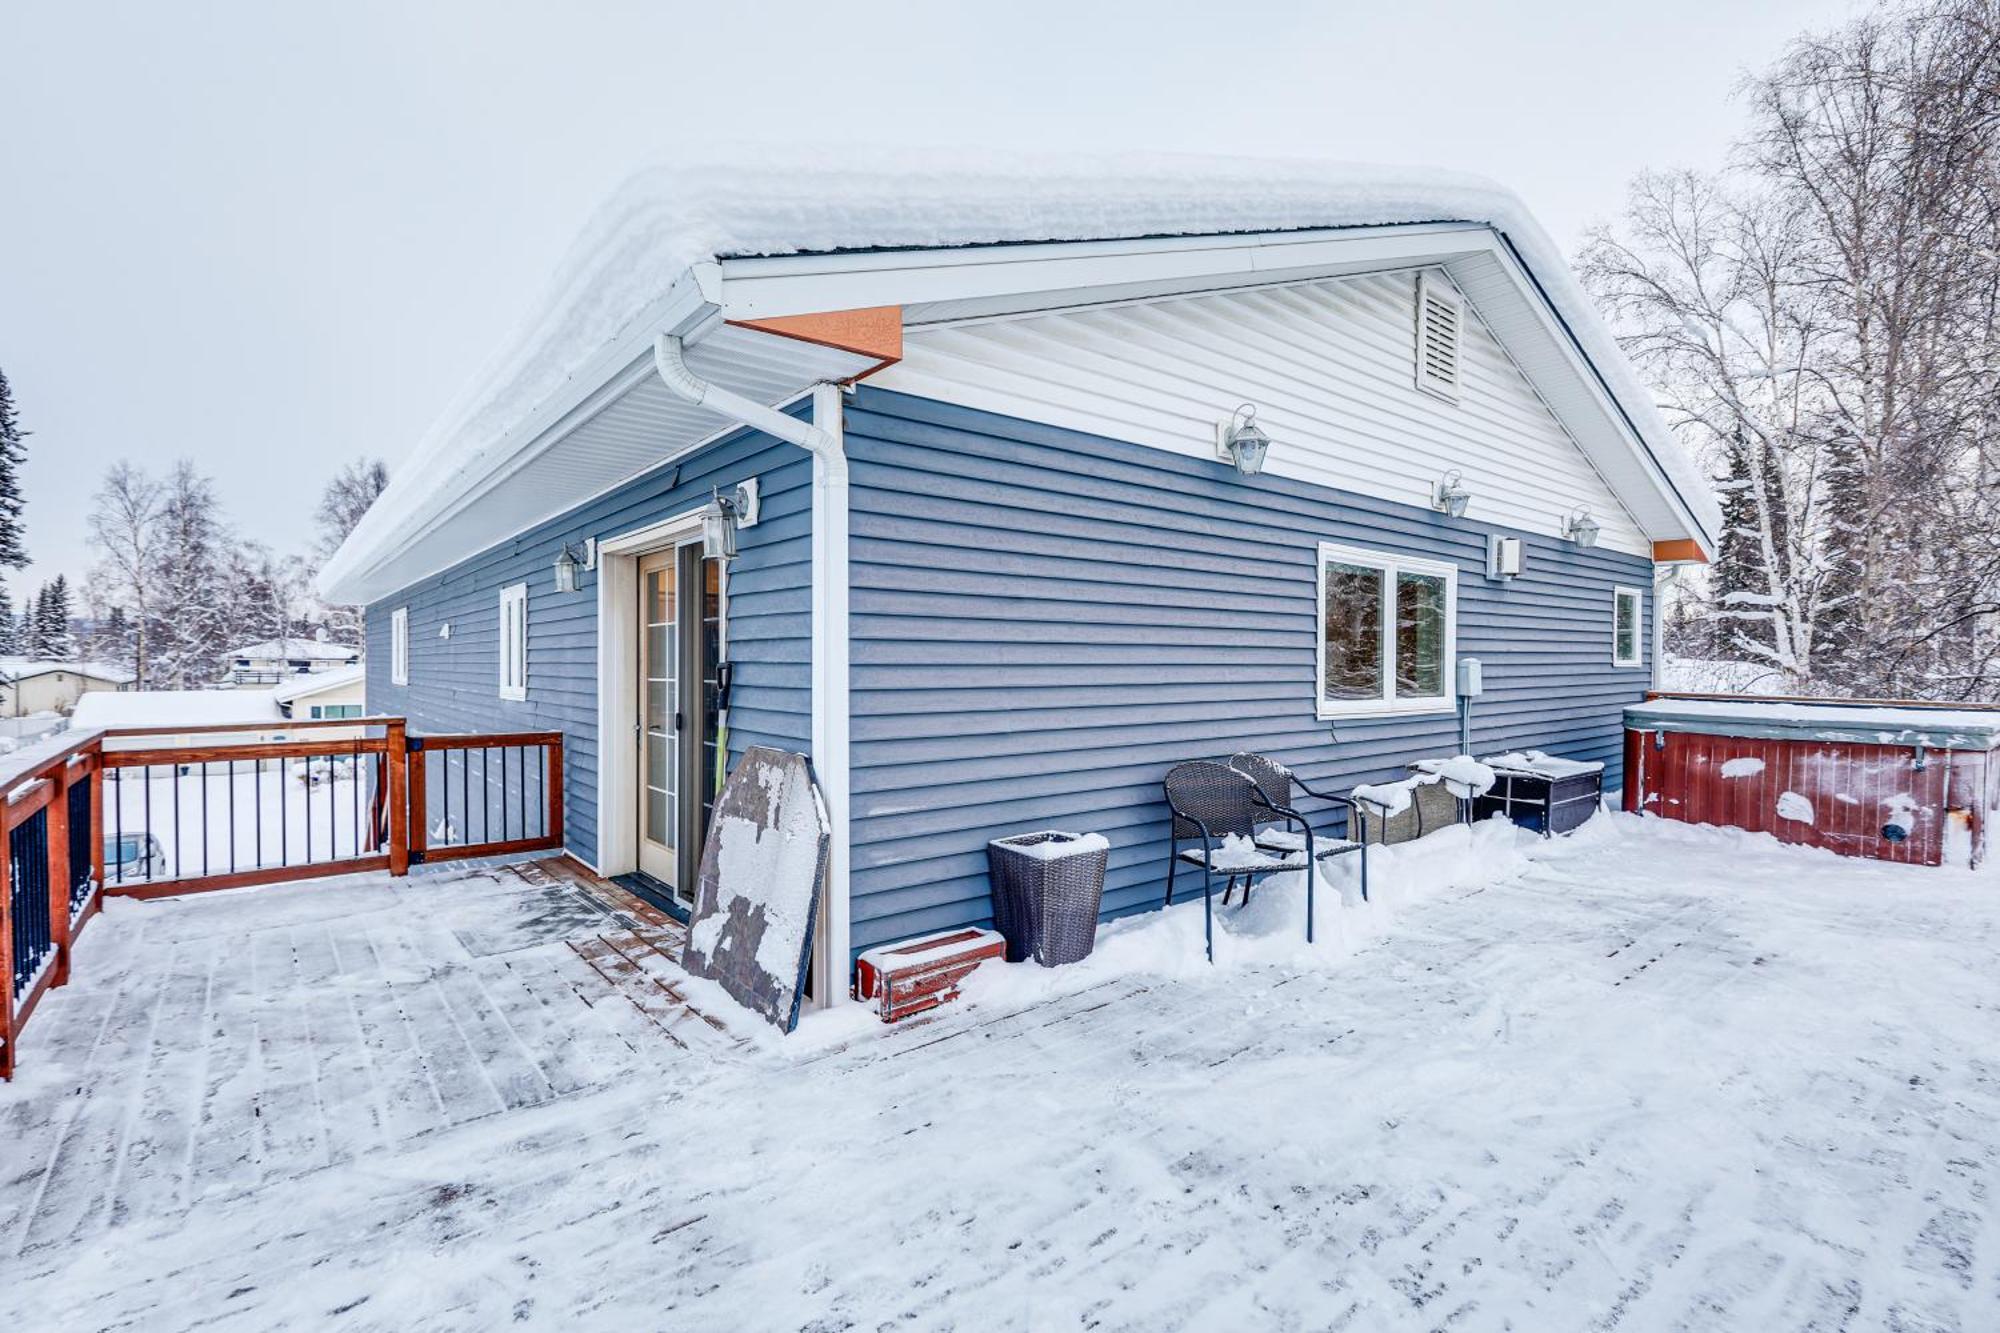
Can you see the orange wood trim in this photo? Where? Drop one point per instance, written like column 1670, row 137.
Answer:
column 174, row 888
column 1682, row 550
column 875, row 331
column 506, row 848
column 282, row 724
column 22, row 802
column 217, row 754
column 497, row 741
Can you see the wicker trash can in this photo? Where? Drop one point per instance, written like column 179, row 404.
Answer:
column 1047, row 888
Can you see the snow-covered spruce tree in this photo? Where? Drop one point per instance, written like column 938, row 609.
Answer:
column 125, row 532
column 347, row 497
column 9, row 630
column 55, row 640
column 13, row 452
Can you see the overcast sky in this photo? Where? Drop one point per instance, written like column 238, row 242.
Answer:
column 275, row 237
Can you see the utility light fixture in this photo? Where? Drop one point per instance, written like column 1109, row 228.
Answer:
column 724, row 515
column 568, row 562
column 1581, row 528
column 1451, row 497
column 1243, row 442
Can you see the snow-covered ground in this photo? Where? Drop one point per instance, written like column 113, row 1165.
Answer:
column 1648, row 1077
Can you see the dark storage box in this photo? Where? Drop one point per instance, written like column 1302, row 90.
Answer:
column 1541, row 801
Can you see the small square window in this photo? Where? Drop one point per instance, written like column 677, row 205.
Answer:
column 1627, row 628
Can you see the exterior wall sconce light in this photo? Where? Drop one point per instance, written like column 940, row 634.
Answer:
column 1241, row 441
column 1451, row 497
column 571, row 558
column 724, row 515
column 1581, row 528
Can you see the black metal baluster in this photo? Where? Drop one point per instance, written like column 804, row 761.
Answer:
column 485, row 799
column 284, row 823
column 117, row 824
column 204, row 817
column 232, row 816
column 257, row 807
column 306, row 809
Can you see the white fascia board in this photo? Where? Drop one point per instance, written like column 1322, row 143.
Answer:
column 686, row 309
column 1547, row 315
column 767, row 288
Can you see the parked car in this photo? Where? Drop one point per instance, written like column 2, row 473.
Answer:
column 129, row 856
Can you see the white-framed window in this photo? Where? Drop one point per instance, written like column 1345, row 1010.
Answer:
column 514, row 642
column 1628, row 627
column 1388, row 633
column 399, row 646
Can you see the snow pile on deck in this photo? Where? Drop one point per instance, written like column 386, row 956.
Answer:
column 761, row 201
column 1271, row 930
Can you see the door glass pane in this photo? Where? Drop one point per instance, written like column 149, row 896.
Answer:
column 1420, row 636
column 1352, row 626
column 662, row 739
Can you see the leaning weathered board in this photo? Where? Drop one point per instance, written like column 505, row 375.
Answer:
column 762, row 872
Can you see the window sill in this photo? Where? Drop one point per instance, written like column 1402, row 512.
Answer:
column 1429, row 708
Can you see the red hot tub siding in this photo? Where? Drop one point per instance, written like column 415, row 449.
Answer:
column 1682, row 779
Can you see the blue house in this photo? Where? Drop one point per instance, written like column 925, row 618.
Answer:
column 990, row 535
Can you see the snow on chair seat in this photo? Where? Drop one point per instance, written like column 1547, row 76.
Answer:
column 1221, row 807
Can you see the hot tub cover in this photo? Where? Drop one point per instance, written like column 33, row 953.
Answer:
column 1858, row 724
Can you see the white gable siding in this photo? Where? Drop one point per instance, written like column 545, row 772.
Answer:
column 1331, row 366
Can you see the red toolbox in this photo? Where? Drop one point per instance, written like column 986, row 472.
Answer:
column 908, row 978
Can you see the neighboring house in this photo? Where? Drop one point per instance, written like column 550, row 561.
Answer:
column 323, row 696
column 28, row 687
column 1001, row 575
column 276, row 660
column 254, row 711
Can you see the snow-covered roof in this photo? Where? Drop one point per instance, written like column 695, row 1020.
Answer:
column 171, row 708
column 301, row 649
column 1935, row 727
column 659, row 238
column 319, row 682
column 22, row 667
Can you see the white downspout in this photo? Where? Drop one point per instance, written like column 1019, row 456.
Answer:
column 822, row 438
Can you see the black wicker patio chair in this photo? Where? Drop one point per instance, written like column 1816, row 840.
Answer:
column 1275, row 783
column 1210, row 802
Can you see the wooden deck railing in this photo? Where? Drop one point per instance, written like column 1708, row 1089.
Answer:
column 149, row 812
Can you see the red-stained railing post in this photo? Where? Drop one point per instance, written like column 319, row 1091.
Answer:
column 399, row 796
column 57, row 828
column 9, row 1029
column 555, row 779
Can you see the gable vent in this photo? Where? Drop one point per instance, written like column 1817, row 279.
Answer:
column 1439, row 315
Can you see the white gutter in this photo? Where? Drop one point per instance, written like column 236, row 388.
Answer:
column 822, row 438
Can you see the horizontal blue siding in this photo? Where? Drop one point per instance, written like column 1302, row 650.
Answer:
column 1044, row 621
column 454, row 683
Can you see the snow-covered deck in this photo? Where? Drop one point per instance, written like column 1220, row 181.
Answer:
column 1655, row 1077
